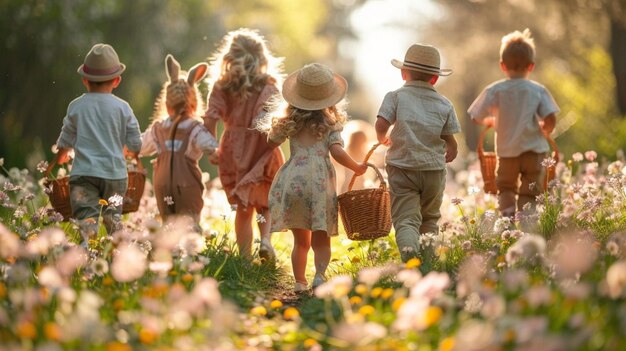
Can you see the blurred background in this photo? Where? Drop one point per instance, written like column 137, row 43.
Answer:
column 581, row 55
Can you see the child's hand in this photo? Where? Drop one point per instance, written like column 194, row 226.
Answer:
column 490, row 122
column 451, row 152
column 386, row 141
column 214, row 157
column 63, row 156
column 130, row 154
column 361, row 168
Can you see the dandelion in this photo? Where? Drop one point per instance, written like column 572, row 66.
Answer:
column 366, row 310
column 103, row 202
column 168, row 200
column 413, row 263
column 258, row 311
column 275, row 304
column 291, row 313
column 613, row 248
column 466, row 245
column 260, row 218
column 116, row 200
column 99, row 267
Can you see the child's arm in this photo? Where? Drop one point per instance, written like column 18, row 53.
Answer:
column 549, row 122
column 489, row 121
column 451, row 147
column 382, row 127
column 342, row 157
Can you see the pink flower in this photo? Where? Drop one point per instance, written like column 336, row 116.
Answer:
column 591, row 155
column 129, row 264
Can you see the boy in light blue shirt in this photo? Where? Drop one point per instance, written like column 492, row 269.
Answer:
column 98, row 126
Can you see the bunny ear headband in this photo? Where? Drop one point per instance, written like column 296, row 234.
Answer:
column 196, row 73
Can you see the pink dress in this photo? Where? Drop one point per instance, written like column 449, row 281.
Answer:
column 247, row 164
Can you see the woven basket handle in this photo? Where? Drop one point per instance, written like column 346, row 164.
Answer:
column 555, row 149
column 481, row 138
column 380, row 176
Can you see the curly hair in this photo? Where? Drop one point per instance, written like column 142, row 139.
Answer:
column 182, row 99
column 244, row 64
column 291, row 121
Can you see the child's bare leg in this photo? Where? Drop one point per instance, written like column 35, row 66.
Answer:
column 266, row 251
column 243, row 230
column 301, row 246
column 320, row 242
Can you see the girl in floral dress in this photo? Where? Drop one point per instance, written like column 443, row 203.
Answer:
column 245, row 76
column 303, row 198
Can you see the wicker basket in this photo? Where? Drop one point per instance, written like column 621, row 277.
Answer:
column 60, row 194
column 366, row 213
column 488, row 162
column 487, row 165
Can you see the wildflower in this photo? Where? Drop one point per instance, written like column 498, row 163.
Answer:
column 456, row 201
column 50, row 278
column 529, row 248
column 413, row 263
column 356, row 334
column 129, row 264
column 397, row 303
column 466, row 245
column 366, row 310
column 291, row 313
column 548, row 162
column 361, row 289
column 447, row 344
column 260, row 218
column 337, row 287
column 431, row 316
column 103, row 202
column 355, row 300
column 26, row 330
column 613, row 248
column 473, row 190
column 258, row 311
column 591, row 155
column 10, row 243
column 116, row 200
column 369, row 276
column 117, row 346
column 19, row 212
column 276, row 304
column 52, row 331
column 577, row 157
column 147, row 336
column 616, row 279
column 42, row 166
column 409, row 277
column 168, row 200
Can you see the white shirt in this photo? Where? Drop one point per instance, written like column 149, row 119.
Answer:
column 201, row 140
column 517, row 105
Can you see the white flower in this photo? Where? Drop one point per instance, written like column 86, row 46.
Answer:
column 116, row 200
column 129, row 264
column 42, row 166
column 616, row 279
column 548, row 162
column 591, row 155
column 577, row 157
column 529, row 248
column 337, row 287
column 168, row 200
column 359, row 334
column 50, row 278
column 369, row 276
column 10, row 243
column 206, row 291
column 192, row 244
column 71, row 260
column 99, row 267
column 260, row 218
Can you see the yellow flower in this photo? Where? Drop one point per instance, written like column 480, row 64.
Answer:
column 103, row 202
column 118, row 346
column 387, row 293
column 291, row 313
column 26, row 330
column 509, row 335
column 308, row 343
column 366, row 310
column 433, row 315
column 355, row 259
column 173, row 273
column 147, row 336
column 397, row 303
column 118, row 304
column 442, row 250
column 187, row 278
column 447, row 344
column 52, row 331
column 376, row 292
column 258, row 311
column 361, row 289
column 276, row 304
column 413, row 263
column 356, row 300
column 107, row 281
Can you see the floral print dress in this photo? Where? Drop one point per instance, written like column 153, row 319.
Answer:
column 303, row 194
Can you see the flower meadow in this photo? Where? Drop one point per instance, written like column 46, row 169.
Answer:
column 553, row 278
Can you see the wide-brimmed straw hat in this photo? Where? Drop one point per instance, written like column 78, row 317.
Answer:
column 314, row 87
column 422, row 58
column 101, row 64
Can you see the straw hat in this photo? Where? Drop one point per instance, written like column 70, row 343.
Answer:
column 101, row 64
column 314, row 87
column 422, row 58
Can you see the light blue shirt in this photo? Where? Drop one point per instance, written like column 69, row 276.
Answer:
column 97, row 126
column 517, row 105
column 420, row 116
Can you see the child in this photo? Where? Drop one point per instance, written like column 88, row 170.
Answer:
column 522, row 112
column 179, row 138
column 98, row 126
column 421, row 143
column 303, row 197
column 246, row 76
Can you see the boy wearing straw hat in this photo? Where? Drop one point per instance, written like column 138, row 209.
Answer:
column 420, row 144
column 98, row 126
column 523, row 114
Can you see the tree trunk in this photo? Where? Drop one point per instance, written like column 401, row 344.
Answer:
column 618, row 54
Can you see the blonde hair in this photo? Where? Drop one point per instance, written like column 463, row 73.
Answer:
column 517, row 50
column 243, row 64
column 182, row 99
column 288, row 121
